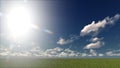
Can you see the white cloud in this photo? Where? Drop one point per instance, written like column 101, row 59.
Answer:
column 95, row 39
column 113, row 53
column 71, row 53
column 83, row 54
column 94, row 45
column 93, row 52
column 7, row 52
column 48, row 31
column 109, row 53
column 100, row 55
column 63, row 41
column 94, row 28
column 59, row 52
column 55, row 52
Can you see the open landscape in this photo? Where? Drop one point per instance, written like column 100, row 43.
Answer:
column 59, row 33
column 60, row 63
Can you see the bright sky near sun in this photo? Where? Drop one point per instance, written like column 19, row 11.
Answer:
column 55, row 28
column 17, row 23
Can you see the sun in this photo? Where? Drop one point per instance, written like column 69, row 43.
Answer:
column 19, row 21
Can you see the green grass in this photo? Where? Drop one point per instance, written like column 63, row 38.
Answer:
column 59, row 63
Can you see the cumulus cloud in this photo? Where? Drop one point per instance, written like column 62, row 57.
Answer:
column 63, row 41
column 94, row 28
column 113, row 53
column 109, row 53
column 54, row 52
column 83, row 54
column 95, row 39
column 7, row 52
column 93, row 52
column 59, row 52
column 94, row 45
column 100, row 55
column 70, row 53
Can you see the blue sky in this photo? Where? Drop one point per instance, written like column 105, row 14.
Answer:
column 63, row 28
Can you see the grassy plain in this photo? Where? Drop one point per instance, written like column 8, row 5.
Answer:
column 59, row 63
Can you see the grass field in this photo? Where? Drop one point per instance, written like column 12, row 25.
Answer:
column 59, row 63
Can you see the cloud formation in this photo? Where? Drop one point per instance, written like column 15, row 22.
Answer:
column 48, row 31
column 95, row 39
column 94, row 28
column 93, row 52
column 113, row 53
column 57, row 52
column 63, row 41
column 94, row 45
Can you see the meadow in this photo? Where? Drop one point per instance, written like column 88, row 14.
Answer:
column 59, row 63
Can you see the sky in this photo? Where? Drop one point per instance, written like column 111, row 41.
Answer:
column 60, row 28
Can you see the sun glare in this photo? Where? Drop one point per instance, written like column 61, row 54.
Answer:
column 19, row 21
